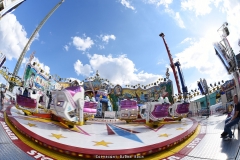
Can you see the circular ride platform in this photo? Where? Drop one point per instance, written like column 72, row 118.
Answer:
column 102, row 139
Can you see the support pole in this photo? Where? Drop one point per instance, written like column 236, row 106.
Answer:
column 171, row 63
column 19, row 62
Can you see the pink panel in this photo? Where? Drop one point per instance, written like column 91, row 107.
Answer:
column 123, row 102
column 86, row 104
column 134, row 103
column 183, row 108
column 87, row 110
column 161, row 110
column 26, row 101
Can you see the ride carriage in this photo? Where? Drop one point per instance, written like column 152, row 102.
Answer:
column 90, row 108
column 28, row 101
column 128, row 109
column 180, row 109
column 65, row 103
column 159, row 111
column 69, row 102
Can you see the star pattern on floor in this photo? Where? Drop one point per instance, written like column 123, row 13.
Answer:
column 102, row 143
column 180, row 128
column 164, row 135
column 32, row 125
column 58, row 136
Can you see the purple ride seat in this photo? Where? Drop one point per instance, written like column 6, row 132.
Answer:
column 93, row 105
column 73, row 90
column 90, row 107
column 128, row 104
column 128, row 107
column 26, row 101
column 89, row 110
column 160, row 110
column 123, row 102
column 183, row 108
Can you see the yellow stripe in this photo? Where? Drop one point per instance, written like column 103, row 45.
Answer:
column 173, row 150
column 46, row 151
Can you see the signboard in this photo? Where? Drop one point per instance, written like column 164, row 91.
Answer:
column 228, row 85
column 33, row 78
column 222, row 55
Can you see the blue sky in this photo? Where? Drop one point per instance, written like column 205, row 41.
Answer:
column 120, row 38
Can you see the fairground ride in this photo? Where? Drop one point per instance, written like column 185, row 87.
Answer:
column 19, row 62
column 227, row 56
column 173, row 65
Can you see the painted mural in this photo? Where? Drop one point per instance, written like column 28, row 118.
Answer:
column 164, row 89
column 98, row 90
column 92, row 85
column 117, row 90
column 33, row 78
column 114, row 94
column 228, row 85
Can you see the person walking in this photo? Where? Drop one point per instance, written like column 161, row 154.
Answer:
column 2, row 97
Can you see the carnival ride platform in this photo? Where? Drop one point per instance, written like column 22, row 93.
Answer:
column 192, row 138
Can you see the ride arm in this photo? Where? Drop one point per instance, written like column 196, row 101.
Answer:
column 184, row 87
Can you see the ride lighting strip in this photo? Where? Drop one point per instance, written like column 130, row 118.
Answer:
column 61, row 153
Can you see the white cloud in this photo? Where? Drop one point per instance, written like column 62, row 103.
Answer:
column 25, row 60
column 201, row 56
column 101, row 46
column 13, row 37
column 200, row 7
column 127, row 4
column 66, row 47
column 118, row 70
column 161, row 61
column 176, row 16
column 79, row 68
column 179, row 20
column 42, row 65
column 232, row 10
column 106, row 38
column 165, row 3
column 82, row 44
column 186, row 40
column 37, row 36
